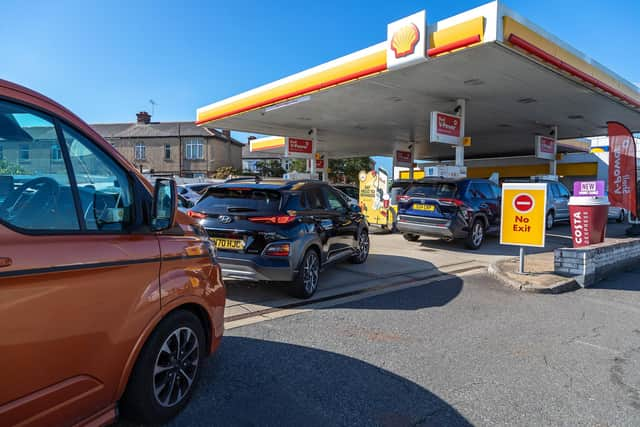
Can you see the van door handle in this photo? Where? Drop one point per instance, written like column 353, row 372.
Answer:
column 5, row 262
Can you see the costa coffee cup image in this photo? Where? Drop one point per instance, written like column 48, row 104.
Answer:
column 588, row 217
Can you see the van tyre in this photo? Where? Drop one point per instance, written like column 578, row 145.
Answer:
column 306, row 282
column 411, row 237
column 362, row 251
column 550, row 221
column 167, row 370
column 476, row 235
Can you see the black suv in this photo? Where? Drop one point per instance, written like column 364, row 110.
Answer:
column 278, row 230
column 466, row 209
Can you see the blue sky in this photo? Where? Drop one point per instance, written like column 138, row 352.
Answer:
column 105, row 60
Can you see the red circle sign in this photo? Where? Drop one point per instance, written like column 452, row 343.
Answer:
column 523, row 203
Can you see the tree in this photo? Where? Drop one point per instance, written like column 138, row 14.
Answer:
column 270, row 168
column 7, row 168
column 348, row 169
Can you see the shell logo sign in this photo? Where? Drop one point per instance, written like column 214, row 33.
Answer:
column 406, row 41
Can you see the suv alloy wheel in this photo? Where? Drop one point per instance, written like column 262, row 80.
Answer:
column 306, row 282
column 476, row 235
column 362, row 251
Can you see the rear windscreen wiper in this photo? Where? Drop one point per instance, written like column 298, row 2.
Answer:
column 240, row 210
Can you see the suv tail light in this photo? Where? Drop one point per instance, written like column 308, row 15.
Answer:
column 278, row 249
column 196, row 215
column 277, row 219
column 456, row 202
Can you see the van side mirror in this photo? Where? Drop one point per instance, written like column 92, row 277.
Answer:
column 165, row 204
column 355, row 208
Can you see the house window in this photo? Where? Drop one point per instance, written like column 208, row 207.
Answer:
column 167, row 152
column 195, row 149
column 56, row 153
column 141, row 152
column 25, row 152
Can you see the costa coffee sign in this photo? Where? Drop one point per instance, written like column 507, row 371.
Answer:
column 545, row 147
column 299, row 146
column 445, row 128
column 581, row 227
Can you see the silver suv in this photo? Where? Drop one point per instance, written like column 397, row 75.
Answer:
column 557, row 203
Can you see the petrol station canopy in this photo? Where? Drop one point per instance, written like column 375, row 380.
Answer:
column 518, row 82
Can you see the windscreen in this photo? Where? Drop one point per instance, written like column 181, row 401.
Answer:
column 239, row 200
column 435, row 190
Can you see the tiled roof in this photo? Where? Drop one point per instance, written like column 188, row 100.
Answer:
column 158, row 130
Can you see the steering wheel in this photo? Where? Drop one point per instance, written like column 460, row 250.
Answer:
column 18, row 202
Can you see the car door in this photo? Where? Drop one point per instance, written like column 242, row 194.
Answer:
column 344, row 225
column 318, row 214
column 76, row 287
column 563, row 201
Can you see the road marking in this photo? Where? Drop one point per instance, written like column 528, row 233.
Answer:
column 297, row 307
column 599, row 347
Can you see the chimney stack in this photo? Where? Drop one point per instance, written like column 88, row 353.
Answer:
column 143, row 118
column 227, row 133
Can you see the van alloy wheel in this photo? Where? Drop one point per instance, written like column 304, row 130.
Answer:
column 176, row 367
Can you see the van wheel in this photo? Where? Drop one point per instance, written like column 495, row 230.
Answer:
column 362, row 251
column 411, row 237
column 475, row 237
column 551, row 218
column 167, row 370
column 306, row 282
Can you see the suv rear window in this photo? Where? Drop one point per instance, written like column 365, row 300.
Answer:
column 433, row 189
column 240, row 199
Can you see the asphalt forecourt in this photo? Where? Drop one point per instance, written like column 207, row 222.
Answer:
column 393, row 264
column 455, row 352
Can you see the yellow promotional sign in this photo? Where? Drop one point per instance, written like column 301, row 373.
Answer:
column 374, row 198
column 524, row 208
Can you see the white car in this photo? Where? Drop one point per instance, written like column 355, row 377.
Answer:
column 190, row 191
column 619, row 214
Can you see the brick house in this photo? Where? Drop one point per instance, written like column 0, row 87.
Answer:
column 173, row 148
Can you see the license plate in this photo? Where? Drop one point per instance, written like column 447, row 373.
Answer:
column 231, row 244
column 419, row 207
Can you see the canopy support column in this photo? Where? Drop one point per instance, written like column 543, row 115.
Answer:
column 314, row 144
column 553, row 164
column 461, row 111
column 412, row 147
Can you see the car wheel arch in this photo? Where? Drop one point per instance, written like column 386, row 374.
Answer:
column 186, row 304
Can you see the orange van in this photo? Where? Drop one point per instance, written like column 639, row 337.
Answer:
column 110, row 298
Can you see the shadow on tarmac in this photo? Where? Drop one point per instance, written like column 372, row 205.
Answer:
column 255, row 382
column 345, row 279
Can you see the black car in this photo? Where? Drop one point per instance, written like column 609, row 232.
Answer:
column 466, row 209
column 350, row 190
column 281, row 231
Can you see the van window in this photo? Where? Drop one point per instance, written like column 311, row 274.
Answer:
column 103, row 187
column 35, row 193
